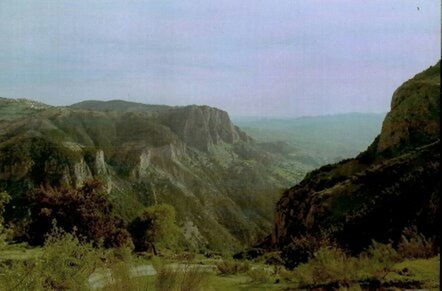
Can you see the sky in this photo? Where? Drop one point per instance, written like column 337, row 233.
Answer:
column 251, row 58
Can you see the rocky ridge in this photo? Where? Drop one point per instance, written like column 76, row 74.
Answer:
column 391, row 186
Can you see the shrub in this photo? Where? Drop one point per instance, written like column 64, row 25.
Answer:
column 182, row 278
column 167, row 279
column 193, row 278
column 4, row 199
column 332, row 268
column 120, row 263
column 67, row 261
column 85, row 210
column 22, row 275
column 123, row 254
column 123, row 280
column 329, row 265
column 259, row 275
column 377, row 261
column 414, row 245
column 231, row 267
column 302, row 248
column 66, row 264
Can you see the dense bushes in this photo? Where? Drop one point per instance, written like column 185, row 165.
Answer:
column 331, row 267
column 327, row 265
column 85, row 211
column 66, row 264
column 412, row 244
column 416, row 245
column 302, row 248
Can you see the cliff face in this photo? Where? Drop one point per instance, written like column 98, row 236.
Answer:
column 393, row 185
column 415, row 113
column 191, row 157
column 203, row 127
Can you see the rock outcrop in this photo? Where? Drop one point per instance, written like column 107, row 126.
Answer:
column 415, row 114
column 391, row 186
column 202, row 126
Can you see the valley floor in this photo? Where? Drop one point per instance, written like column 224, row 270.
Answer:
column 189, row 271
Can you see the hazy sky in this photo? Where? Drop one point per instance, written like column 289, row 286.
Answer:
column 271, row 57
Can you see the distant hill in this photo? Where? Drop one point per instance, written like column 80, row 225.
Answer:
column 391, row 186
column 323, row 138
column 117, row 105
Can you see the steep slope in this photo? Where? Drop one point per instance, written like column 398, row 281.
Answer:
column 415, row 114
column 221, row 184
column 393, row 185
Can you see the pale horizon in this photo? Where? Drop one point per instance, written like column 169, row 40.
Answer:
column 284, row 59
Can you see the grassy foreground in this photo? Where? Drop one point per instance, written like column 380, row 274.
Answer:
column 65, row 263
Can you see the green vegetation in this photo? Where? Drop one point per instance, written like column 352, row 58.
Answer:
column 260, row 275
column 379, row 266
column 231, row 267
column 183, row 278
column 11, row 109
column 155, row 226
column 66, row 262
column 69, row 261
column 4, row 199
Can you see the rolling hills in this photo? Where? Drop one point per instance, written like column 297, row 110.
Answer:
column 318, row 139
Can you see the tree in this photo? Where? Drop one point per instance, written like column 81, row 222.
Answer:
column 155, row 226
column 85, row 211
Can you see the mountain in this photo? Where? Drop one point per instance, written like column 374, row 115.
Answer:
column 319, row 139
column 391, row 186
column 117, row 105
column 221, row 182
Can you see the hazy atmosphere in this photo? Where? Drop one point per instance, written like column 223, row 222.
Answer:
column 285, row 58
column 219, row 145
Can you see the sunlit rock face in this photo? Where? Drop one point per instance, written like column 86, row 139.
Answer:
column 203, row 127
column 415, row 113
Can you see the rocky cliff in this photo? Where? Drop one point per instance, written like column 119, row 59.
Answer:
column 393, row 185
column 415, row 114
column 202, row 126
column 221, row 183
